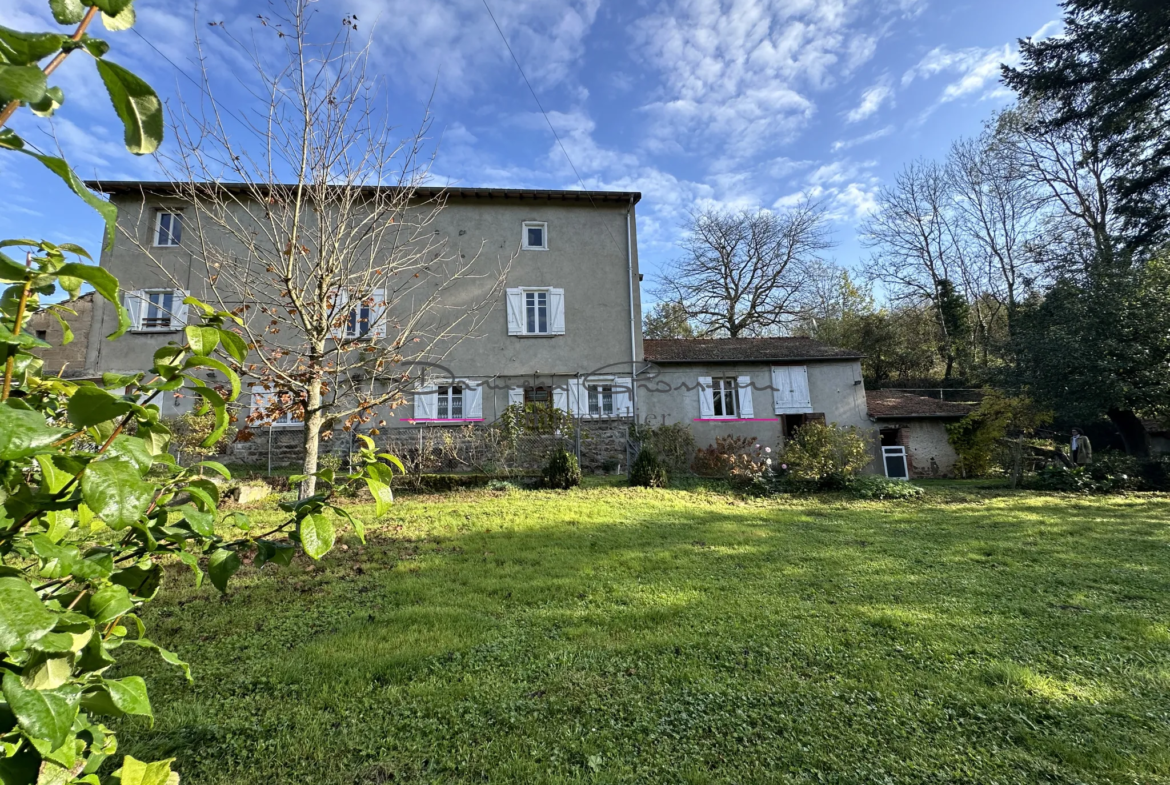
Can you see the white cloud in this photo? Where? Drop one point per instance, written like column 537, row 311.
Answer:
column 975, row 66
column 847, row 188
column 871, row 101
column 845, row 144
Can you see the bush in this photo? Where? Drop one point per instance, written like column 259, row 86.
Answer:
column 647, row 471
column 502, row 486
column 674, row 445
column 874, row 487
column 1110, row 472
column 826, row 456
column 718, row 461
column 562, row 471
column 752, row 472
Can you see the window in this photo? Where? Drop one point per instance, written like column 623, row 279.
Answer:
column 450, row 403
column 600, row 400
column 536, row 395
column 536, row 313
column 158, row 308
column 168, row 229
column 359, row 320
column 535, row 236
column 723, row 396
column 278, row 408
column 42, row 335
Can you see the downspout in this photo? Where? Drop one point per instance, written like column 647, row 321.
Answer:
column 633, row 318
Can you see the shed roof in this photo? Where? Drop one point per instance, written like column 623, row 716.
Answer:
column 719, row 350
column 894, row 404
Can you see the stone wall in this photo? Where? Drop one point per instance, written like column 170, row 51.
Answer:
column 68, row 359
column 449, row 448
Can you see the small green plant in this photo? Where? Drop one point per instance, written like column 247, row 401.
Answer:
column 647, row 470
column 674, row 444
column 562, row 471
column 874, row 487
column 826, row 456
column 502, row 486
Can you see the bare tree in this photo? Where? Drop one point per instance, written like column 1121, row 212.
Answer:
column 321, row 236
column 743, row 273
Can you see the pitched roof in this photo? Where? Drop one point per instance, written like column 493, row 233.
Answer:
column 422, row 192
column 893, row 403
column 689, row 350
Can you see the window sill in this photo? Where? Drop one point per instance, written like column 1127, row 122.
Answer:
column 796, row 410
column 737, row 419
column 442, row 421
column 537, row 335
column 157, row 330
column 532, row 248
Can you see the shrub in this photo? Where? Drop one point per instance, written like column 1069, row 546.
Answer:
column 1110, row 472
column 190, row 430
column 826, row 456
column 562, row 471
column 647, row 471
column 979, row 437
column 752, row 472
column 874, row 487
column 502, row 486
column 673, row 444
column 718, row 460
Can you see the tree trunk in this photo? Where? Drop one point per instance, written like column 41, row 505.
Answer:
column 313, row 420
column 1133, row 433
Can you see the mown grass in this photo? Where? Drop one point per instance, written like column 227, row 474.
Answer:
column 619, row 635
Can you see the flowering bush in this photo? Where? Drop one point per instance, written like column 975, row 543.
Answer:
column 753, row 471
column 718, row 460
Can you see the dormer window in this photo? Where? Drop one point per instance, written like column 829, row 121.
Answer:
column 535, row 236
column 168, row 229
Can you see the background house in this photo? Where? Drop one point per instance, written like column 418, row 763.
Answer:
column 917, row 423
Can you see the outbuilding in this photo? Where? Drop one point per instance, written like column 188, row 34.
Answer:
column 918, row 424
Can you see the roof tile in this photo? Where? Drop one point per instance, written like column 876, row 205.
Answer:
column 682, row 350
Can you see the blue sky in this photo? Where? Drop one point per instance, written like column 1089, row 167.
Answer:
column 734, row 103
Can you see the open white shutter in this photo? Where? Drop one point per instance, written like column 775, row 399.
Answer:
column 516, row 395
column 561, row 398
column 472, row 400
column 339, row 312
column 706, row 401
column 622, row 396
column 743, row 385
column 179, row 317
column 556, row 311
column 578, row 397
column 425, row 403
column 133, row 302
column 378, row 314
column 515, row 299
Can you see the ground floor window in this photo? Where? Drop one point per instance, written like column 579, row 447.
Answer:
column 537, row 395
column 724, row 396
column 601, row 400
column 450, row 403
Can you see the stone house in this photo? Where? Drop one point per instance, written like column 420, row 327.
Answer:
column 68, row 360
column 918, row 424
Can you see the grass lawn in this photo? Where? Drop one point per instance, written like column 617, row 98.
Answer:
column 617, row 635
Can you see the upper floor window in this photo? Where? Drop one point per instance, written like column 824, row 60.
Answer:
column 168, row 229
column 450, row 403
column 358, row 323
column 357, row 316
column 156, row 309
column 600, row 400
column 535, row 236
column 724, row 396
column 536, row 313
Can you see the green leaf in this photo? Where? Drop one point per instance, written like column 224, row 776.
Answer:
column 47, row 672
column 17, row 48
column 67, row 12
column 118, row 697
column 358, row 527
column 317, row 535
column 383, row 496
column 101, row 280
column 23, row 433
column 167, row 656
column 110, row 602
column 216, row 467
column 11, row 271
column 202, row 523
column 57, row 561
column 22, row 83
column 26, row 340
column 95, row 565
column 89, row 406
column 192, row 561
column 114, row 491
column 49, row 103
column 135, row 772
column 234, row 344
column 24, row 619
column 137, row 105
column 210, row 362
column 222, row 565
column 42, row 714
column 142, row 582
column 124, row 20
column 221, row 416
column 66, row 330
column 202, row 340
column 134, row 450
column 95, row 46
column 394, row 460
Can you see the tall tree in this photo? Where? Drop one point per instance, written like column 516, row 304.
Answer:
column 1109, row 73
column 744, row 273
column 319, row 235
column 667, row 320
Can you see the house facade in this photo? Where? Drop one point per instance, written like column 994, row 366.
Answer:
column 564, row 328
column 917, row 424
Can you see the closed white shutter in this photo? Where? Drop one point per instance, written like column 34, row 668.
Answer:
column 516, row 395
column 425, row 403
column 622, row 396
column 743, row 386
column 378, row 314
column 133, row 301
column 179, row 317
column 561, row 398
column 790, row 389
column 556, row 311
column 706, row 401
column 515, row 300
column 341, row 313
column 578, row 397
column 472, row 400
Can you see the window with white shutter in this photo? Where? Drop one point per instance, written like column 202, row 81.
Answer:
column 706, row 398
column 276, row 408
column 156, row 310
column 425, row 403
column 746, row 409
column 535, row 312
column 790, row 389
